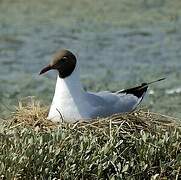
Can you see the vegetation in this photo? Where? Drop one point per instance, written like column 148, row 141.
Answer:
column 140, row 145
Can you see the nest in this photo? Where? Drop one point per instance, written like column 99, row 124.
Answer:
column 141, row 141
column 30, row 113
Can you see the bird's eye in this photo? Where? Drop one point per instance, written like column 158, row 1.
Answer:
column 64, row 59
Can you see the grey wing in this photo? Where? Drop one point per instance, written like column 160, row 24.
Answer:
column 103, row 103
column 106, row 103
column 117, row 103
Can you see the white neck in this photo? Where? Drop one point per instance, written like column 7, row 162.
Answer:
column 69, row 86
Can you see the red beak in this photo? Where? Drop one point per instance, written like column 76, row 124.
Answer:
column 45, row 69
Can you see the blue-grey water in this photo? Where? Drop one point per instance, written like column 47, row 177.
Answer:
column 135, row 42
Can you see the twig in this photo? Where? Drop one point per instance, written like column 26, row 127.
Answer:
column 60, row 115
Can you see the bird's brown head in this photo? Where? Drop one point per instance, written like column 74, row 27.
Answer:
column 63, row 61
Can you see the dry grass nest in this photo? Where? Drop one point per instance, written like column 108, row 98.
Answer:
column 137, row 145
column 30, row 113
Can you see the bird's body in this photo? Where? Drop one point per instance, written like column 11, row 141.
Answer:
column 72, row 103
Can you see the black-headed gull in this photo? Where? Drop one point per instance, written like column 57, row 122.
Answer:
column 72, row 103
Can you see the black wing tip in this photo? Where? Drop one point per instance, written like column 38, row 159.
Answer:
column 162, row 79
column 138, row 91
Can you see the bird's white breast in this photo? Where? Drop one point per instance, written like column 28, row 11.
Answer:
column 69, row 100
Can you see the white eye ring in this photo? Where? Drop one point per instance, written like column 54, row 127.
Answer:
column 64, row 58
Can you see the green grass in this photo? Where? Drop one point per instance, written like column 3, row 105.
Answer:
column 141, row 145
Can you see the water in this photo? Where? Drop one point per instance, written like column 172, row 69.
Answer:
column 118, row 44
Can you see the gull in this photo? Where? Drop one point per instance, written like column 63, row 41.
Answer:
column 71, row 103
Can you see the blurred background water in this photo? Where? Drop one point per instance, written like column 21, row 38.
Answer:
column 119, row 44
